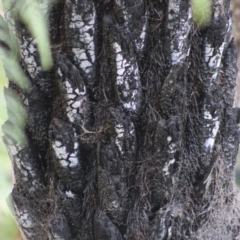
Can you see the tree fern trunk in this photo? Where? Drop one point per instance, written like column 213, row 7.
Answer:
column 132, row 134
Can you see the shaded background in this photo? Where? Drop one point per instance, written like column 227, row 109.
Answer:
column 8, row 227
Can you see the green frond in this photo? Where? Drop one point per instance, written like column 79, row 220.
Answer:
column 201, row 12
column 9, row 55
column 33, row 16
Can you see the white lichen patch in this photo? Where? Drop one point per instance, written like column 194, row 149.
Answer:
column 23, row 171
column 121, row 6
column 83, row 23
column 218, row 9
column 14, row 149
column 128, row 80
column 58, row 143
column 172, row 148
column 207, row 114
column 213, row 59
column 169, row 139
column 213, row 127
column 170, row 232
column 140, row 41
column 25, row 221
column 167, row 165
column 25, row 167
column 73, row 159
column 70, row 194
column 65, row 158
column 115, row 204
column 28, row 51
column 208, row 180
column 75, row 102
column 60, row 152
column 229, row 25
column 59, row 72
column 120, row 134
column 124, row 133
column 209, row 142
column 35, row 185
column 173, row 8
column 26, row 102
column 213, row 56
column 179, row 29
column 64, row 163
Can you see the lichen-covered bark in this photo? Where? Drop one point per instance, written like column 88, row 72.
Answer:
column 132, row 134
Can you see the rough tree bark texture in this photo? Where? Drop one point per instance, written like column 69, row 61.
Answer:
column 132, row 135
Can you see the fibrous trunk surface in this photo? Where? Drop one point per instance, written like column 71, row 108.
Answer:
column 132, row 134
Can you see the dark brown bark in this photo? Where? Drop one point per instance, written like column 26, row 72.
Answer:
column 132, row 134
